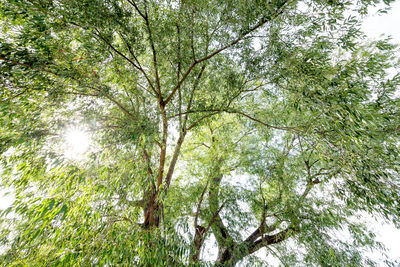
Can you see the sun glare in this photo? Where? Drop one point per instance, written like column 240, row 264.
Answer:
column 77, row 142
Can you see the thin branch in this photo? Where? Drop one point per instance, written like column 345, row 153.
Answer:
column 180, row 83
column 270, row 239
column 80, row 93
column 182, row 135
column 135, row 108
column 277, row 256
column 240, row 92
column 155, row 64
column 196, row 216
column 14, row 96
column 174, row 159
column 15, row 62
column 259, row 232
column 202, row 144
column 116, row 102
column 243, row 136
column 232, row 111
column 139, row 66
column 201, row 119
column 98, row 34
column 146, row 158
column 163, row 148
column 191, row 35
column 120, row 218
column 196, row 84
column 214, row 217
column 137, row 8
column 178, row 73
column 29, row 66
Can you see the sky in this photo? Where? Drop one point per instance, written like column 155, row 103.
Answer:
column 374, row 26
column 389, row 24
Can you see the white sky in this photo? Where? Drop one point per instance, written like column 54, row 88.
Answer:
column 374, row 25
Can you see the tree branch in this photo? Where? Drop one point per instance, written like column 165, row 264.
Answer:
column 232, row 43
column 14, row 96
column 199, row 120
column 116, row 50
column 155, row 64
column 191, row 35
column 232, row 111
column 196, row 216
column 270, row 239
column 133, row 3
column 139, row 66
column 259, row 232
column 174, row 159
column 163, row 148
column 178, row 73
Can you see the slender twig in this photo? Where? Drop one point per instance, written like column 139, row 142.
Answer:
column 139, row 66
column 133, row 3
column 153, row 49
column 196, row 216
column 14, row 96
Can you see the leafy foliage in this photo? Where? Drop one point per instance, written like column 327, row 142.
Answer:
column 263, row 125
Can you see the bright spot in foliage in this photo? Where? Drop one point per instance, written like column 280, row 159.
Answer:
column 77, row 142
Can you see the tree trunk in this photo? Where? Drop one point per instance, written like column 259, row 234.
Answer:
column 225, row 257
column 198, row 242
column 152, row 212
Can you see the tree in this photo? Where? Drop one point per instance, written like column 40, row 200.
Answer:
column 262, row 124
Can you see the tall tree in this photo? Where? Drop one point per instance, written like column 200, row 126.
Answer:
column 262, row 124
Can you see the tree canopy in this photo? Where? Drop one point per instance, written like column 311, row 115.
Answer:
column 265, row 127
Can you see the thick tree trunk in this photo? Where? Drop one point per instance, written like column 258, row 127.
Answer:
column 226, row 245
column 198, row 242
column 152, row 212
column 225, row 257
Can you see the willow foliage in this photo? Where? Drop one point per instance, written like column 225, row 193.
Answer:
column 267, row 127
